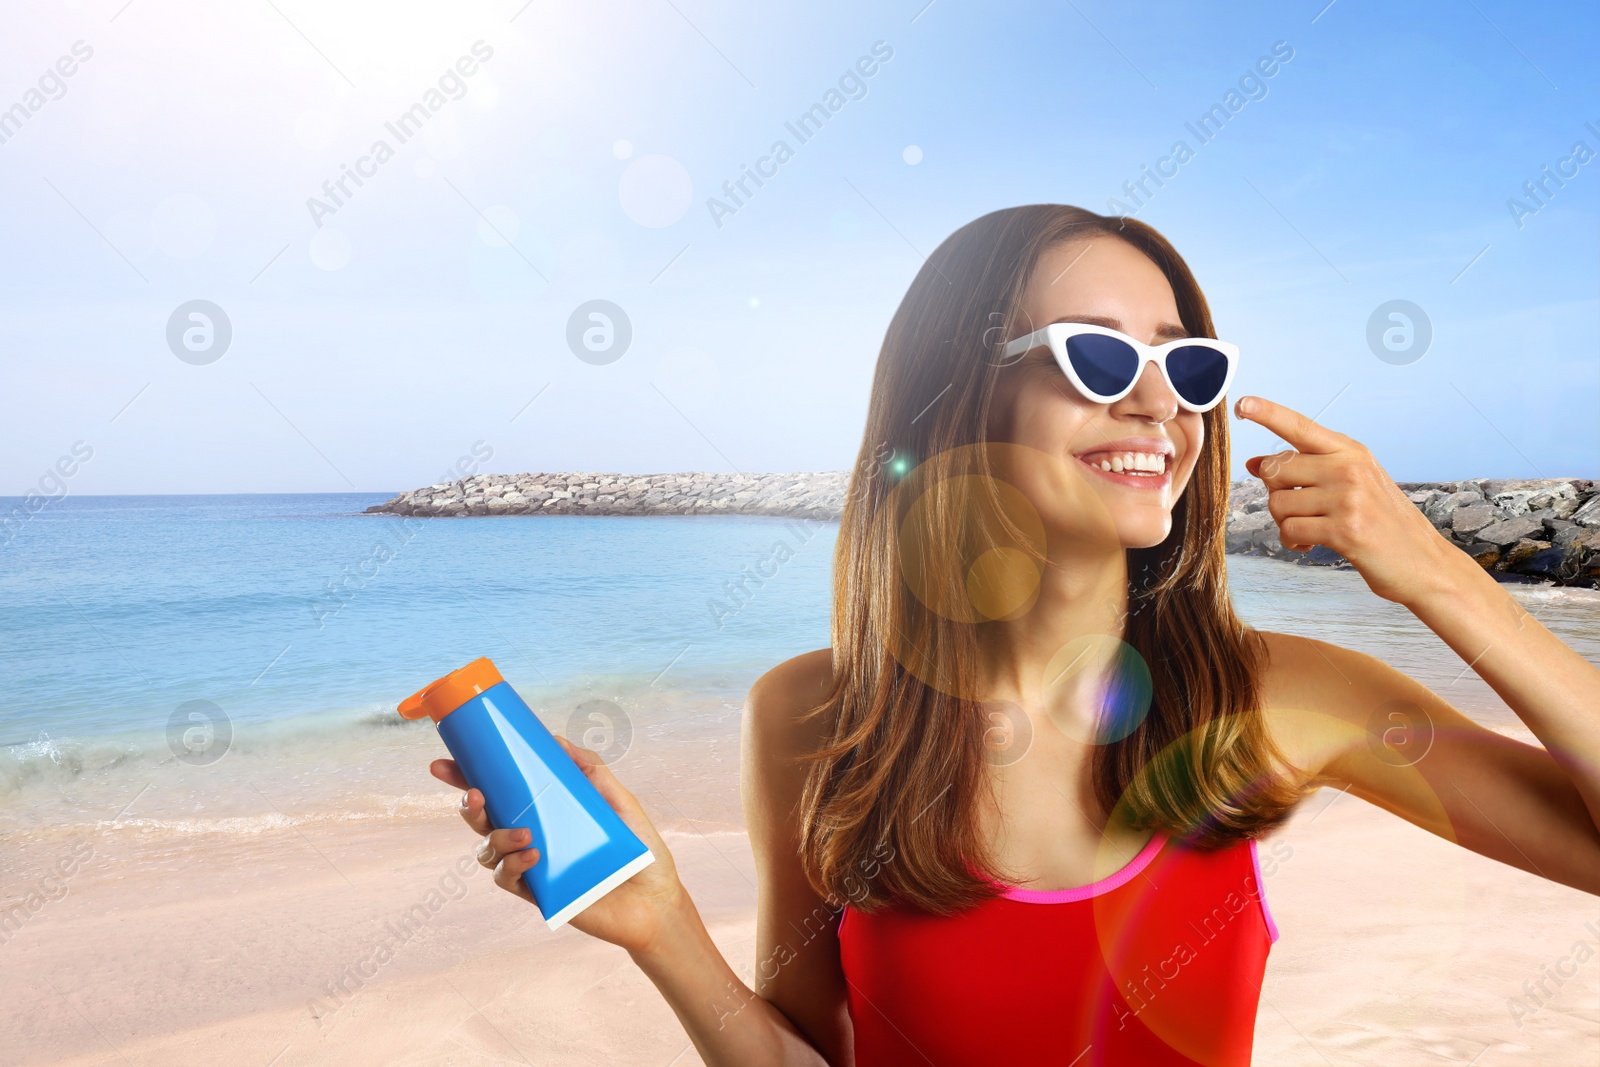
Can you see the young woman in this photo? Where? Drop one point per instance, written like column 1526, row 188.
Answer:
column 1011, row 815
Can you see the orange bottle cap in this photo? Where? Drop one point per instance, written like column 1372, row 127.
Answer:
column 444, row 695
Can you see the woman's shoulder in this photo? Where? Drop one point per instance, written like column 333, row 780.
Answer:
column 1303, row 672
column 775, row 711
column 776, row 732
column 800, row 676
column 1317, row 697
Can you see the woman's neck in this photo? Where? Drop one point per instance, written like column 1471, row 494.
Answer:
column 1081, row 597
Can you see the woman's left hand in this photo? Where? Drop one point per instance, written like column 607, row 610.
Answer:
column 1329, row 490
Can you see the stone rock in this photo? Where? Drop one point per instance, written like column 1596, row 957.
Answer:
column 1439, row 512
column 1514, row 501
column 1589, row 513
column 1562, row 498
column 1472, row 518
column 1524, row 550
column 1247, row 497
column 1248, row 530
column 1484, row 555
column 1323, row 556
column 812, row 495
column 1566, row 534
column 1426, row 498
column 1508, row 531
column 1550, row 563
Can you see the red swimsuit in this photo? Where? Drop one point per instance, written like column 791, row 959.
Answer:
column 1158, row 964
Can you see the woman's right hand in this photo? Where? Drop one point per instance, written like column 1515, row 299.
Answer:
column 634, row 914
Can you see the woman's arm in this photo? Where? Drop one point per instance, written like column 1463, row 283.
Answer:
column 798, row 1004
column 1555, row 691
column 653, row 917
column 730, row 1025
column 1536, row 809
column 797, row 944
column 1355, row 723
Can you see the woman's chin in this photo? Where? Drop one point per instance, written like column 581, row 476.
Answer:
column 1144, row 532
column 1108, row 530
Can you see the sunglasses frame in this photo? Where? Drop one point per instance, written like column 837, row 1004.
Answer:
column 1055, row 336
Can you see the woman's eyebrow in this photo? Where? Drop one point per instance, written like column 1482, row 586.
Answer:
column 1166, row 330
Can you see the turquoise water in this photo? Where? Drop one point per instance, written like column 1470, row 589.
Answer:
column 120, row 609
column 302, row 622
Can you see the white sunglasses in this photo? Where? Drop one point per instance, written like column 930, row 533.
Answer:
column 1104, row 364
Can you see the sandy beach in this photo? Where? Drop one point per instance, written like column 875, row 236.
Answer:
column 263, row 947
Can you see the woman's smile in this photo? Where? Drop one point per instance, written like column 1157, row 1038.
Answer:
column 1137, row 462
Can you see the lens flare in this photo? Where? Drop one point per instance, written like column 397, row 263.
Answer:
column 1097, row 689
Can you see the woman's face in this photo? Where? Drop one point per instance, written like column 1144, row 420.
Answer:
column 1107, row 282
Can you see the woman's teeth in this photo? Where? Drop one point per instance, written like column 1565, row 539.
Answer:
column 1148, row 464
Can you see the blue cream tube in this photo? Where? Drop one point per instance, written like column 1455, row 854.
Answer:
column 527, row 779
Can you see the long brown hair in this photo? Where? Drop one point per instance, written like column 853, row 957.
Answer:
column 903, row 767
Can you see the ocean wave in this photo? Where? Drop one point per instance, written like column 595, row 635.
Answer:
column 378, row 807
column 374, row 809
column 64, row 761
column 60, row 761
column 363, row 737
column 1555, row 594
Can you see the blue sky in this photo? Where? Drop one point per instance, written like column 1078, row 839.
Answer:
column 375, row 345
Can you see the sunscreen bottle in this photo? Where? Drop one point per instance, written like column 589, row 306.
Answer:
column 527, row 779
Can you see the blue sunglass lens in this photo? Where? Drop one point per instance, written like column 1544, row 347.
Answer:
column 1104, row 364
column 1198, row 373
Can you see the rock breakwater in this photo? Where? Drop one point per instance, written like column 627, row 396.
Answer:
column 1544, row 529
column 806, row 496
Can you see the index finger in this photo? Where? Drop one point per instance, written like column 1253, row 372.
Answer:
column 472, row 808
column 585, row 759
column 1302, row 433
column 448, row 772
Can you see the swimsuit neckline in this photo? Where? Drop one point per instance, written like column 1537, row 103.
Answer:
column 1120, row 877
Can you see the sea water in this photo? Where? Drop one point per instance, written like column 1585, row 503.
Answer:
column 226, row 664
column 179, row 643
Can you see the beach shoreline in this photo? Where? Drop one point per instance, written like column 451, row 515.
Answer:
column 1396, row 947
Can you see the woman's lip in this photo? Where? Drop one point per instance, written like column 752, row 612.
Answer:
column 1133, row 481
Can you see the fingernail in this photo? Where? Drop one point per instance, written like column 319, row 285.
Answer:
column 1245, row 406
column 464, row 797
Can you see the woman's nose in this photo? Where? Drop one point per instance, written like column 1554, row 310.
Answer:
column 1151, row 397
